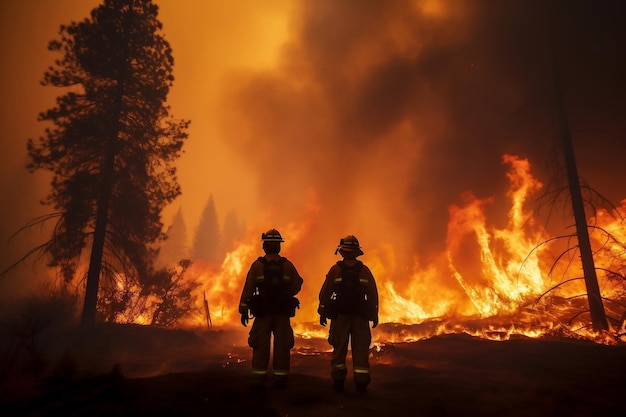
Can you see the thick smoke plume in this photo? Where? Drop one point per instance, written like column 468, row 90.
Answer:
column 380, row 115
column 379, row 119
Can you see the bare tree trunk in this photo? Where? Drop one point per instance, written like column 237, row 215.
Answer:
column 108, row 174
column 97, row 248
column 102, row 219
column 596, row 307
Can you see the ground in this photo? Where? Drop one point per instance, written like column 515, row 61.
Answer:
column 135, row 371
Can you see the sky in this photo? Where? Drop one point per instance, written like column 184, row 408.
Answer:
column 325, row 118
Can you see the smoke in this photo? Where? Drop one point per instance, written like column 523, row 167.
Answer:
column 387, row 112
column 376, row 117
column 30, row 27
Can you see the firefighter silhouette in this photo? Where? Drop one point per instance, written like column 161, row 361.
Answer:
column 349, row 298
column 269, row 296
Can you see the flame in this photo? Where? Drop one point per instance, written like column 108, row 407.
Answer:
column 486, row 283
column 513, row 269
column 508, row 273
column 222, row 286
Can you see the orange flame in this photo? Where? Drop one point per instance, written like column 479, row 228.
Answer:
column 509, row 265
column 223, row 285
column 493, row 273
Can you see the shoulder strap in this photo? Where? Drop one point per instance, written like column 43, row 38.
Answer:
column 265, row 261
column 349, row 274
column 272, row 273
column 356, row 266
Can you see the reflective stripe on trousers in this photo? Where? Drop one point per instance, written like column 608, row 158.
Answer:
column 260, row 338
column 259, row 375
column 362, row 376
column 281, row 375
column 339, row 371
column 353, row 330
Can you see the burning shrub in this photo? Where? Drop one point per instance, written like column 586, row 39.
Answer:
column 162, row 298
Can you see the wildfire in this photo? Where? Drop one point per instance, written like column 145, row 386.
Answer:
column 487, row 283
column 222, row 287
column 513, row 273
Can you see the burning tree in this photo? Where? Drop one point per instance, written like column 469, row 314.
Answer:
column 162, row 299
column 112, row 145
column 594, row 298
column 574, row 190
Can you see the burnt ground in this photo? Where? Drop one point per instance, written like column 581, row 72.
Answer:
column 128, row 371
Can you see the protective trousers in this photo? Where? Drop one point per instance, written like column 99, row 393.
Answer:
column 356, row 330
column 259, row 340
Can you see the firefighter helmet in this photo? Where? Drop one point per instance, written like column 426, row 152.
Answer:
column 272, row 235
column 349, row 244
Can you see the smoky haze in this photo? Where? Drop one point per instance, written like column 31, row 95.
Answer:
column 376, row 116
column 387, row 112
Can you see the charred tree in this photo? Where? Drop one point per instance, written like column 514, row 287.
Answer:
column 112, row 146
column 594, row 298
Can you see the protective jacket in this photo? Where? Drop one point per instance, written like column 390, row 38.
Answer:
column 350, row 299
column 349, row 288
column 269, row 294
column 276, row 300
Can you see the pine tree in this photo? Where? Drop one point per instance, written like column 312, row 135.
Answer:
column 233, row 229
column 112, row 143
column 206, row 243
column 175, row 247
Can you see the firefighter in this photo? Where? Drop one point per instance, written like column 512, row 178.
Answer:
column 268, row 295
column 349, row 298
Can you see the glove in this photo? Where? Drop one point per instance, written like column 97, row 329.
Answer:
column 323, row 320
column 375, row 322
column 244, row 319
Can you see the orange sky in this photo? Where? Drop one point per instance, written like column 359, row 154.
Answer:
column 210, row 40
column 370, row 118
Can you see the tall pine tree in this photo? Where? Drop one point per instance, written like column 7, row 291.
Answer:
column 175, row 247
column 233, row 230
column 112, row 143
column 206, row 242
